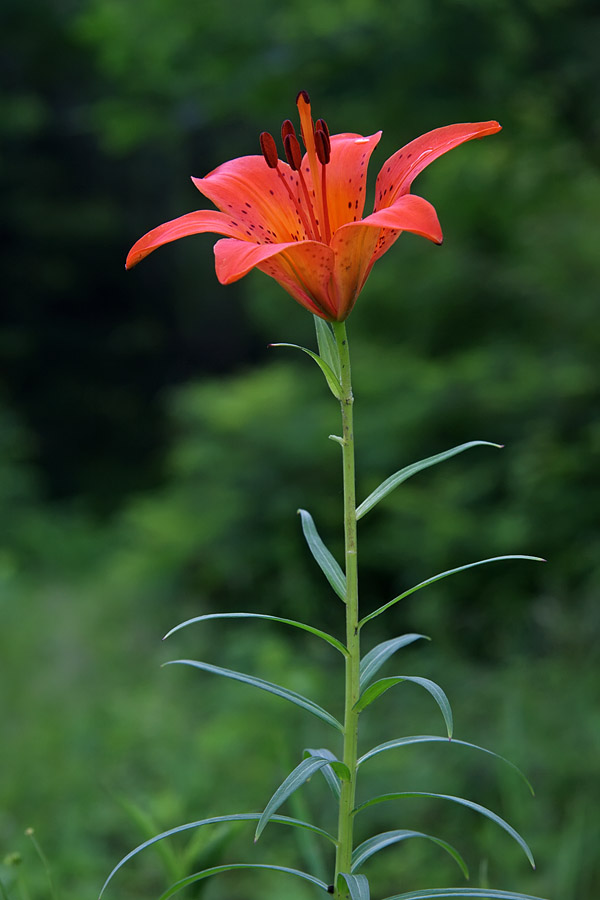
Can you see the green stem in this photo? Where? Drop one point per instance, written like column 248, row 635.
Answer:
column 348, row 791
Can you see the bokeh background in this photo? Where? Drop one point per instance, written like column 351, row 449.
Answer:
column 153, row 451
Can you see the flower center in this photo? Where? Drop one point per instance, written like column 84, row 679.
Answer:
column 311, row 205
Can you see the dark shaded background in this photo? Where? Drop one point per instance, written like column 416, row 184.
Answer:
column 153, row 451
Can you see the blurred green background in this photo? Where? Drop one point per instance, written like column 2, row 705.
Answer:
column 151, row 464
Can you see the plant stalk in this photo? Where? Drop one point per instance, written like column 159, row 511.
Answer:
column 348, row 788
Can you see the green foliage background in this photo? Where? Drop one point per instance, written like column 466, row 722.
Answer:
column 153, row 451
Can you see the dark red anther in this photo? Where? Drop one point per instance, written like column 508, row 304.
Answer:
column 269, row 149
column 321, row 125
column 322, row 146
column 293, row 152
column 304, row 96
column 287, row 127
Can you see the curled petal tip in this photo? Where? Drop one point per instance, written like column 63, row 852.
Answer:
column 491, row 127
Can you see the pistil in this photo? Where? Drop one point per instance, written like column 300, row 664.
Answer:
column 308, row 136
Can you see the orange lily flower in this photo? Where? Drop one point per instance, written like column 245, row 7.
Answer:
column 301, row 222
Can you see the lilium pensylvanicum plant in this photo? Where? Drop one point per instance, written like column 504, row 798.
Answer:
column 301, row 221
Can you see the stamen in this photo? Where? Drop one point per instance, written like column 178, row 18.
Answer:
column 322, row 146
column 318, row 149
column 321, row 125
column 287, row 127
column 269, row 149
column 293, row 153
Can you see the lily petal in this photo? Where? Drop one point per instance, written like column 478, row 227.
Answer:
column 198, row 222
column 359, row 244
column 409, row 213
column 400, row 170
column 347, row 177
column 303, row 269
column 255, row 198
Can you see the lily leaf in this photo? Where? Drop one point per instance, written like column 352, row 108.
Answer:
column 358, row 886
column 325, row 560
column 464, row 893
column 276, row 689
column 294, row 780
column 375, row 658
column 329, row 772
column 374, row 844
column 384, row 684
column 330, row 376
column 461, row 800
column 430, row 739
column 214, row 820
column 387, row 486
column 327, row 346
column 248, row 615
column 480, row 562
column 216, row 870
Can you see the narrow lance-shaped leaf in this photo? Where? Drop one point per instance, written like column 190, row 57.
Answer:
column 375, row 658
column 213, row 820
column 464, row 893
column 386, row 838
column 330, row 376
column 217, row 870
column 431, row 739
column 387, row 486
column 248, row 615
column 327, row 346
column 325, row 560
column 328, row 771
column 384, row 684
column 294, row 780
column 276, row 689
column 460, row 800
column 358, row 886
column 480, row 562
